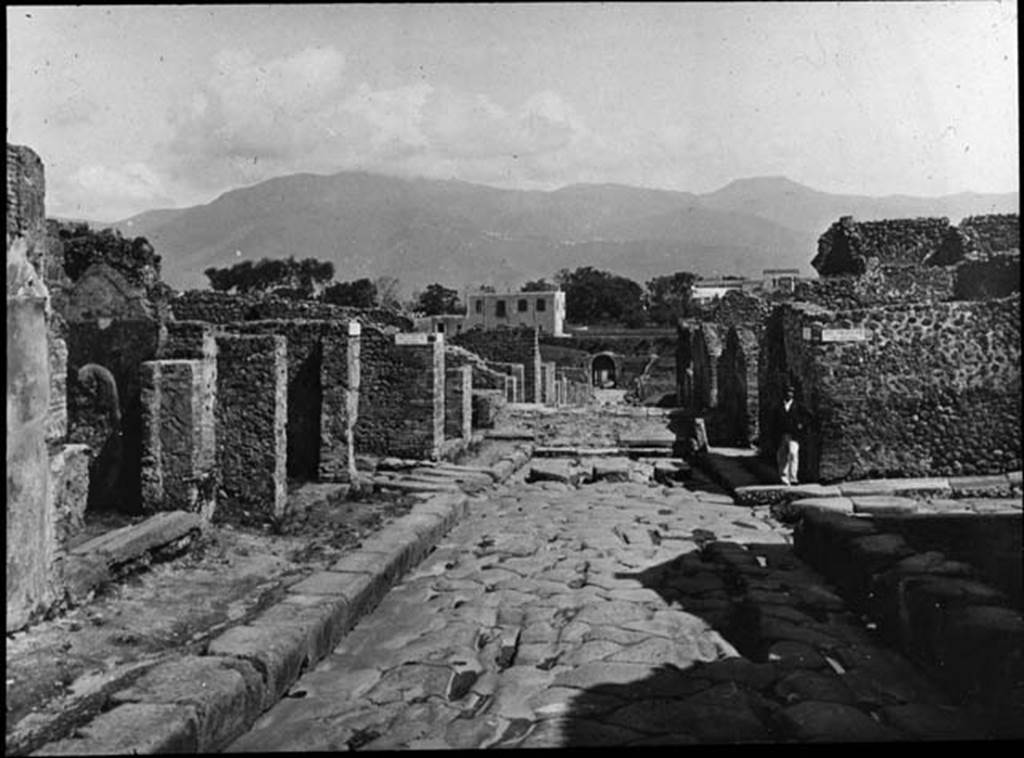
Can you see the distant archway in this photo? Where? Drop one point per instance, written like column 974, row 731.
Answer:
column 603, row 371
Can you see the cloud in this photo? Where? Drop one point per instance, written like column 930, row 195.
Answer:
column 253, row 120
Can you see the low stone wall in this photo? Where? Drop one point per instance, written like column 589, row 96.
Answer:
column 933, row 606
column 907, row 390
column 509, row 346
column 251, row 419
column 401, row 399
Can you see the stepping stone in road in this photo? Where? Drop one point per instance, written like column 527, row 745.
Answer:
column 612, row 470
column 554, row 471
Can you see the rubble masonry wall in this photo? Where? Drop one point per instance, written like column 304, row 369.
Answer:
column 933, row 390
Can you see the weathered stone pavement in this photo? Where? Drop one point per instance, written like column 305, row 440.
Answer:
column 619, row 612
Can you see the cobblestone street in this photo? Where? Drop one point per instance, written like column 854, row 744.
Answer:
column 621, row 611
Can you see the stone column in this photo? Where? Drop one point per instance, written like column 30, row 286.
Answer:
column 458, row 409
column 339, row 381
column 251, row 418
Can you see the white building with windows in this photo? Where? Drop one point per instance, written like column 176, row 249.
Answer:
column 491, row 310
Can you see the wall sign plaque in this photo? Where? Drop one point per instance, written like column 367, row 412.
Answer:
column 859, row 334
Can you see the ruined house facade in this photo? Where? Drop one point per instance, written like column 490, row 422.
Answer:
column 906, row 351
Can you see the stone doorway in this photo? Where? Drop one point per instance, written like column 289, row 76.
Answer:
column 603, row 371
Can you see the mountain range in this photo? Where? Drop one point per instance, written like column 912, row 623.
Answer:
column 463, row 235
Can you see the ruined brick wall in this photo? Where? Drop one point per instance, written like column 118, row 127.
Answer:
column 212, row 307
column 508, row 346
column 848, row 245
column 401, row 399
column 932, row 390
column 685, row 334
column 993, row 234
column 305, row 395
column 251, row 418
column 736, row 308
column 26, row 207
column 879, row 284
column 224, row 308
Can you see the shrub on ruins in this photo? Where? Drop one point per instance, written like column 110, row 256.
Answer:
column 437, row 299
column 83, row 246
column 669, row 298
column 593, row 297
column 361, row 293
column 388, row 292
column 268, row 274
column 539, row 285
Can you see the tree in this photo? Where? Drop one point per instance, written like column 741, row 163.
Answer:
column 83, row 246
column 388, row 288
column 438, row 299
column 268, row 274
column 670, row 298
column 361, row 293
column 538, row 285
column 593, row 296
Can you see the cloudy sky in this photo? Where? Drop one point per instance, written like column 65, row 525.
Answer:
column 134, row 108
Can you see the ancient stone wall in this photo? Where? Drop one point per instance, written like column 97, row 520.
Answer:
column 508, row 346
column 251, row 418
column 305, row 394
column 737, row 388
column 993, row 234
column 30, row 514
column 848, row 245
column 401, row 399
column 178, row 466
column 224, row 308
column 901, row 390
column 26, row 210
column 879, row 284
column 458, row 403
column 707, row 347
column 340, row 379
column 993, row 277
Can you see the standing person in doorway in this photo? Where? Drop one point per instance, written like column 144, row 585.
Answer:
column 790, row 425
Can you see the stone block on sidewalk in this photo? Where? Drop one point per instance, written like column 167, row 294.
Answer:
column 611, row 470
column 552, row 470
column 797, row 508
column 883, row 504
column 130, row 542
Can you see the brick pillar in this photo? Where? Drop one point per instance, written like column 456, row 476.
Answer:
column 251, row 418
column 420, row 433
column 458, row 403
column 339, row 381
column 547, row 373
column 177, row 434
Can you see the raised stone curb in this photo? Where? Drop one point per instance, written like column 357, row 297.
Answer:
column 773, row 494
column 202, row 703
column 133, row 728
